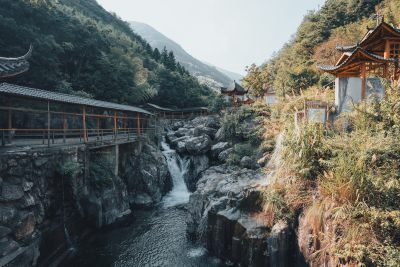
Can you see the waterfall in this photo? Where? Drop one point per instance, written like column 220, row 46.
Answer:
column 177, row 167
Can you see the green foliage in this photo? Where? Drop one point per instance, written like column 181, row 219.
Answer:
column 239, row 151
column 79, row 47
column 101, row 174
column 68, row 169
column 293, row 68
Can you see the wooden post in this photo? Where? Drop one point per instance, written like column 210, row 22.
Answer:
column 138, row 124
column 124, row 122
column 363, row 77
column 115, row 125
column 386, row 54
column 48, row 123
column 98, row 126
column 85, row 137
column 65, row 125
column 9, row 125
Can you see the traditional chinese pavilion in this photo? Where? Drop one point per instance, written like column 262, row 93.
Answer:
column 361, row 65
column 234, row 93
column 14, row 66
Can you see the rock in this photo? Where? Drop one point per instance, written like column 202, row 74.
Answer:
column 182, row 132
column 7, row 246
column 12, row 163
column 198, row 145
column 26, row 227
column 219, row 135
column 179, row 142
column 177, row 125
column 218, row 148
column 201, row 130
column 11, row 192
column 171, row 137
column 142, row 200
column 28, row 201
column 197, row 164
column 40, row 161
column 146, row 174
column 26, row 186
column 247, row 162
column 93, row 210
column 223, row 216
column 7, row 215
column 224, row 155
column 4, row 231
column 208, row 121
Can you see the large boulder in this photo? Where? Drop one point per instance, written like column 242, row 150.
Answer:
column 247, row 162
column 145, row 172
column 198, row 145
column 218, row 148
column 200, row 130
column 224, row 155
column 177, row 125
column 182, row 132
column 197, row 164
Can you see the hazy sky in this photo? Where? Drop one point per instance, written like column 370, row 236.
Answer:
column 227, row 33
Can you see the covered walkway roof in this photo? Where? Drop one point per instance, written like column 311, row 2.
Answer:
column 21, row 91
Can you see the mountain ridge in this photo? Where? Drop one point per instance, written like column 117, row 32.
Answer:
column 205, row 72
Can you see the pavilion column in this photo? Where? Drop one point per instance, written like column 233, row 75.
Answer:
column 9, row 126
column 138, row 124
column 65, row 125
column 386, row 53
column 363, row 79
column 48, row 123
column 98, row 126
column 115, row 125
column 125, row 122
column 85, row 136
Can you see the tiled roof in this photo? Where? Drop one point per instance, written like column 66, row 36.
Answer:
column 234, row 87
column 177, row 110
column 22, row 91
column 358, row 49
column 13, row 66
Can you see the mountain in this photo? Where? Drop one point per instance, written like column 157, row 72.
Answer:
column 206, row 74
column 80, row 48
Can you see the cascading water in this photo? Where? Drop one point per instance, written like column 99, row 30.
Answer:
column 156, row 238
column 177, row 167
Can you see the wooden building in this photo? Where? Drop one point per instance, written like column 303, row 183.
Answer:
column 361, row 65
column 14, row 66
column 234, row 93
column 32, row 116
column 182, row 113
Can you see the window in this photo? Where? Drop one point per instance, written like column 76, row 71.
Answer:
column 394, row 50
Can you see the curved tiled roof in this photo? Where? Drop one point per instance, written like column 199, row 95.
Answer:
column 14, row 66
column 351, row 57
column 22, row 91
column 234, row 87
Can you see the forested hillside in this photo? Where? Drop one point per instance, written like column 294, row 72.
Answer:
column 293, row 68
column 205, row 73
column 81, row 48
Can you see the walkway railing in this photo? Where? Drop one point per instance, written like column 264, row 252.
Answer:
column 50, row 137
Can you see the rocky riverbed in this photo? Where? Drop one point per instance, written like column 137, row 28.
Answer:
column 224, row 212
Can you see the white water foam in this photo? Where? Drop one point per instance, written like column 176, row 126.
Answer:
column 177, row 167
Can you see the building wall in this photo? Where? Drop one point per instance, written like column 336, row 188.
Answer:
column 270, row 99
column 347, row 91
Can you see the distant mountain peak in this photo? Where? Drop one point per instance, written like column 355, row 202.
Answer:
column 206, row 73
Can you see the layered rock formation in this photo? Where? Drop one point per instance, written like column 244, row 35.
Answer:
column 49, row 195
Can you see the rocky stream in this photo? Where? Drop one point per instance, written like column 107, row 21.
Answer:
column 177, row 204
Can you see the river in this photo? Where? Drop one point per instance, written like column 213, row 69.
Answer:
column 155, row 237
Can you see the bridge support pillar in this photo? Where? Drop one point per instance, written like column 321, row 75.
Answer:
column 116, row 161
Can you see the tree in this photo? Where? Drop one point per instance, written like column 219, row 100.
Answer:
column 156, row 54
column 257, row 80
